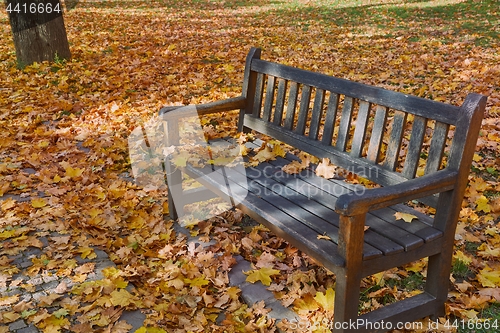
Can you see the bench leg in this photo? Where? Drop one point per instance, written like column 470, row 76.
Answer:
column 348, row 283
column 438, row 277
column 174, row 183
column 347, row 289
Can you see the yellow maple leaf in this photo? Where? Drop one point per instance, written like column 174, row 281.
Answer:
column 487, row 251
column 94, row 212
column 325, row 169
column 326, row 300
column 87, row 252
column 459, row 255
column 38, row 203
column 306, row 304
column 121, row 327
column 198, row 282
column 417, row 266
column 9, row 317
column 265, row 154
column 263, row 275
column 70, row 171
column 482, row 204
column 121, row 297
column 8, row 300
column 405, row 216
column 278, row 150
column 489, row 277
column 293, row 167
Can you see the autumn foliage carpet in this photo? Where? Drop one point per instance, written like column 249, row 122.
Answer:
column 63, row 149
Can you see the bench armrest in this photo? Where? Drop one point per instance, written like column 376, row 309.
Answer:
column 350, row 204
column 176, row 112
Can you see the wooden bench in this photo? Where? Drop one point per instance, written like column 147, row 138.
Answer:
column 415, row 148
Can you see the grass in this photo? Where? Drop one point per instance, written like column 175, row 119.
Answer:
column 489, row 321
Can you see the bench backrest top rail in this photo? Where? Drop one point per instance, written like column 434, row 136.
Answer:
column 427, row 108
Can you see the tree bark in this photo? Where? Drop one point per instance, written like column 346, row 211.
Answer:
column 38, row 31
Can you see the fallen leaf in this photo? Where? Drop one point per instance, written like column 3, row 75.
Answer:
column 263, row 275
column 323, row 237
column 325, row 169
column 405, row 216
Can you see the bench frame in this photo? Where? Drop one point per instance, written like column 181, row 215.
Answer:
column 442, row 188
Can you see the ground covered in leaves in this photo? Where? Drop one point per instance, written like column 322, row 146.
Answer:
column 63, row 151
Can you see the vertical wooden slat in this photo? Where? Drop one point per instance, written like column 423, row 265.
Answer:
column 305, row 98
column 292, row 105
column 319, row 99
column 331, row 114
column 395, row 138
column 280, row 102
column 436, row 149
column 377, row 134
column 249, row 82
column 414, row 147
column 268, row 104
column 259, row 91
column 345, row 123
column 360, row 130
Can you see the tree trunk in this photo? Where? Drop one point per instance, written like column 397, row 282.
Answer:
column 38, row 31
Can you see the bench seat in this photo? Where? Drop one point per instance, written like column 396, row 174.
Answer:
column 301, row 207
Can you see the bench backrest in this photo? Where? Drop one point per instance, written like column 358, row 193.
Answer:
column 382, row 135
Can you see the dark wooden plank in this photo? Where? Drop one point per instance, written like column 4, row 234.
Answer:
column 259, row 92
column 176, row 112
column 326, row 192
column 414, row 147
column 406, row 310
column 280, row 102
column 345, row 123
column 331, row 114
column 319, row 99
column 292, row 105
column 419, row 106
column 305, row 99
column 395, row 137
column 436, row 149
column 268, row 104
column 377, row 134
column 360, row 129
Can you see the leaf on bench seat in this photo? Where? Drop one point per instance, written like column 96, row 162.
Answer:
column 323, row 237
column 405, row 216
column 325, row 169
column 265, row 154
